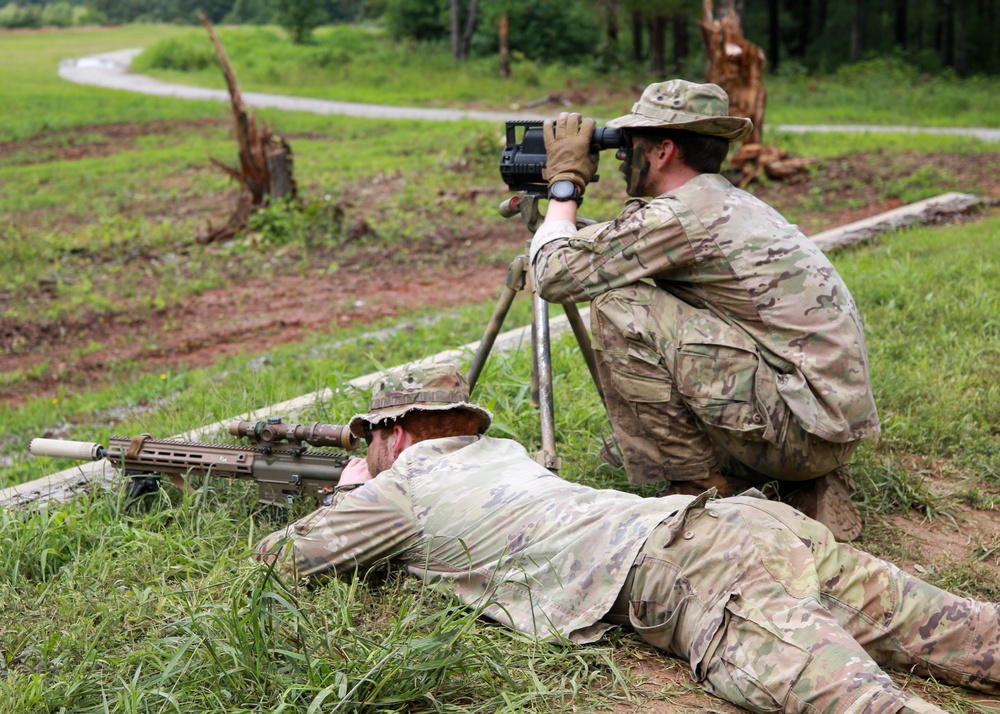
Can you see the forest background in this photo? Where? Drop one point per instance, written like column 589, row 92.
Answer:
column 962, row 36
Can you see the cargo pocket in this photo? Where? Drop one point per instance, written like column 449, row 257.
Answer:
column 754, row 666
column 646, row 381
column 717, row 382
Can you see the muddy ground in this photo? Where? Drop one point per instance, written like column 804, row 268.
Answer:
column 226, row 321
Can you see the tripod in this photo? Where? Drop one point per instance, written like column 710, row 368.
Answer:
column 525, row 204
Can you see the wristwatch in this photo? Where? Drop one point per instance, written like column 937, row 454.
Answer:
column 565, row 191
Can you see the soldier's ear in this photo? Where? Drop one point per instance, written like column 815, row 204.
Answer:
column 401, row 439
column 663, row 153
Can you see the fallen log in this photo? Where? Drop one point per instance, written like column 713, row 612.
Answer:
column 945, row 208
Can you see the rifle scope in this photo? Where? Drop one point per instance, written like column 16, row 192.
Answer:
column 274, row 431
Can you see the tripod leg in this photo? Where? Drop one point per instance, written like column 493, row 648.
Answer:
column 541, row 349
column 512, row 286
column 583, row 340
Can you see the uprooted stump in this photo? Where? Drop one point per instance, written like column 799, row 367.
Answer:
column 735, row 64
column 265, row 173
column 776, row 164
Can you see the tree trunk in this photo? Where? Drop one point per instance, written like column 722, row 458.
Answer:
column 960, row 9
column 460, row 38
column 855, row 36
column 611, row 16
column 504, row 41
column 682, row 40
column 900, row 23
column 266, row 162
column 637, row 25
column 774, row 32
column 805, row 27
column 453, row 15
column 470, row 26
column 657, row 45
column 736, row 65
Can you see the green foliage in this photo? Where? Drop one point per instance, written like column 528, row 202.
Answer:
column 58, row 14
column 250, row 12
column 187, row 53
column 289, row 222
column 366, row 64
column 15, row 17
column 544, row 30
column 417, row 19
column 299, row 18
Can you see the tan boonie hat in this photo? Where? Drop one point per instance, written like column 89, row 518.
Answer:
column 428, row 387
column 679, row 104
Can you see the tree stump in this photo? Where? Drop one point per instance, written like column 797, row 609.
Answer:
column 735, row 64
column 266, row 165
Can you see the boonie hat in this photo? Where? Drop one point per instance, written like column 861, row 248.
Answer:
column 679, row 104
column 427, row 387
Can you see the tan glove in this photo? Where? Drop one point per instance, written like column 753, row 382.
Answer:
column 567, row 150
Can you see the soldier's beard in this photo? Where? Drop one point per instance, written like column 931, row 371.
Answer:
column 379, row 456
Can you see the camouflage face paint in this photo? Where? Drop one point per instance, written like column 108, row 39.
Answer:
column 635, row 166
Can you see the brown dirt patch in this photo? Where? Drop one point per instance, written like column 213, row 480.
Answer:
column 262, row 312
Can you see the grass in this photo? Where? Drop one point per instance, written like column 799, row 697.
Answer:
column 163, row 611
column 36, row 100
column 881, row 91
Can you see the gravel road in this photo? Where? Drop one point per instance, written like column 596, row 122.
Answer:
column 110, row 70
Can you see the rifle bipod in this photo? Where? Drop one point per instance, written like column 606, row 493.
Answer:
column 526, row 205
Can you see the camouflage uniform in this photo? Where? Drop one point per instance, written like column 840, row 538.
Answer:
column 770, row 613
column 725, row 338
column 538, row 553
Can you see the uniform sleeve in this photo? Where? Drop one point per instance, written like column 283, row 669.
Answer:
column 578, row 265
column 368, row 524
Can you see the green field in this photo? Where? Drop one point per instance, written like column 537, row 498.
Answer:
column 163, row 610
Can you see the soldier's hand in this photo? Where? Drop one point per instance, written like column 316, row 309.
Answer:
column 356, row 471
column 567, row 150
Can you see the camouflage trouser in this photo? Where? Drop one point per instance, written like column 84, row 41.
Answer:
column 688, row 395
column 774, row 615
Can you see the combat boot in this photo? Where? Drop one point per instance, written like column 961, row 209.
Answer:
column 827, row 499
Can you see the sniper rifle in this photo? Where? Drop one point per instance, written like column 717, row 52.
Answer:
column 277, row 458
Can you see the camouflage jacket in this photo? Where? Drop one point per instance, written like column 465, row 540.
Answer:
column 715, row 246
column 480, row 517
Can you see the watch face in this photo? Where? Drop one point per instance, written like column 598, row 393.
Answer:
column 563, row 191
